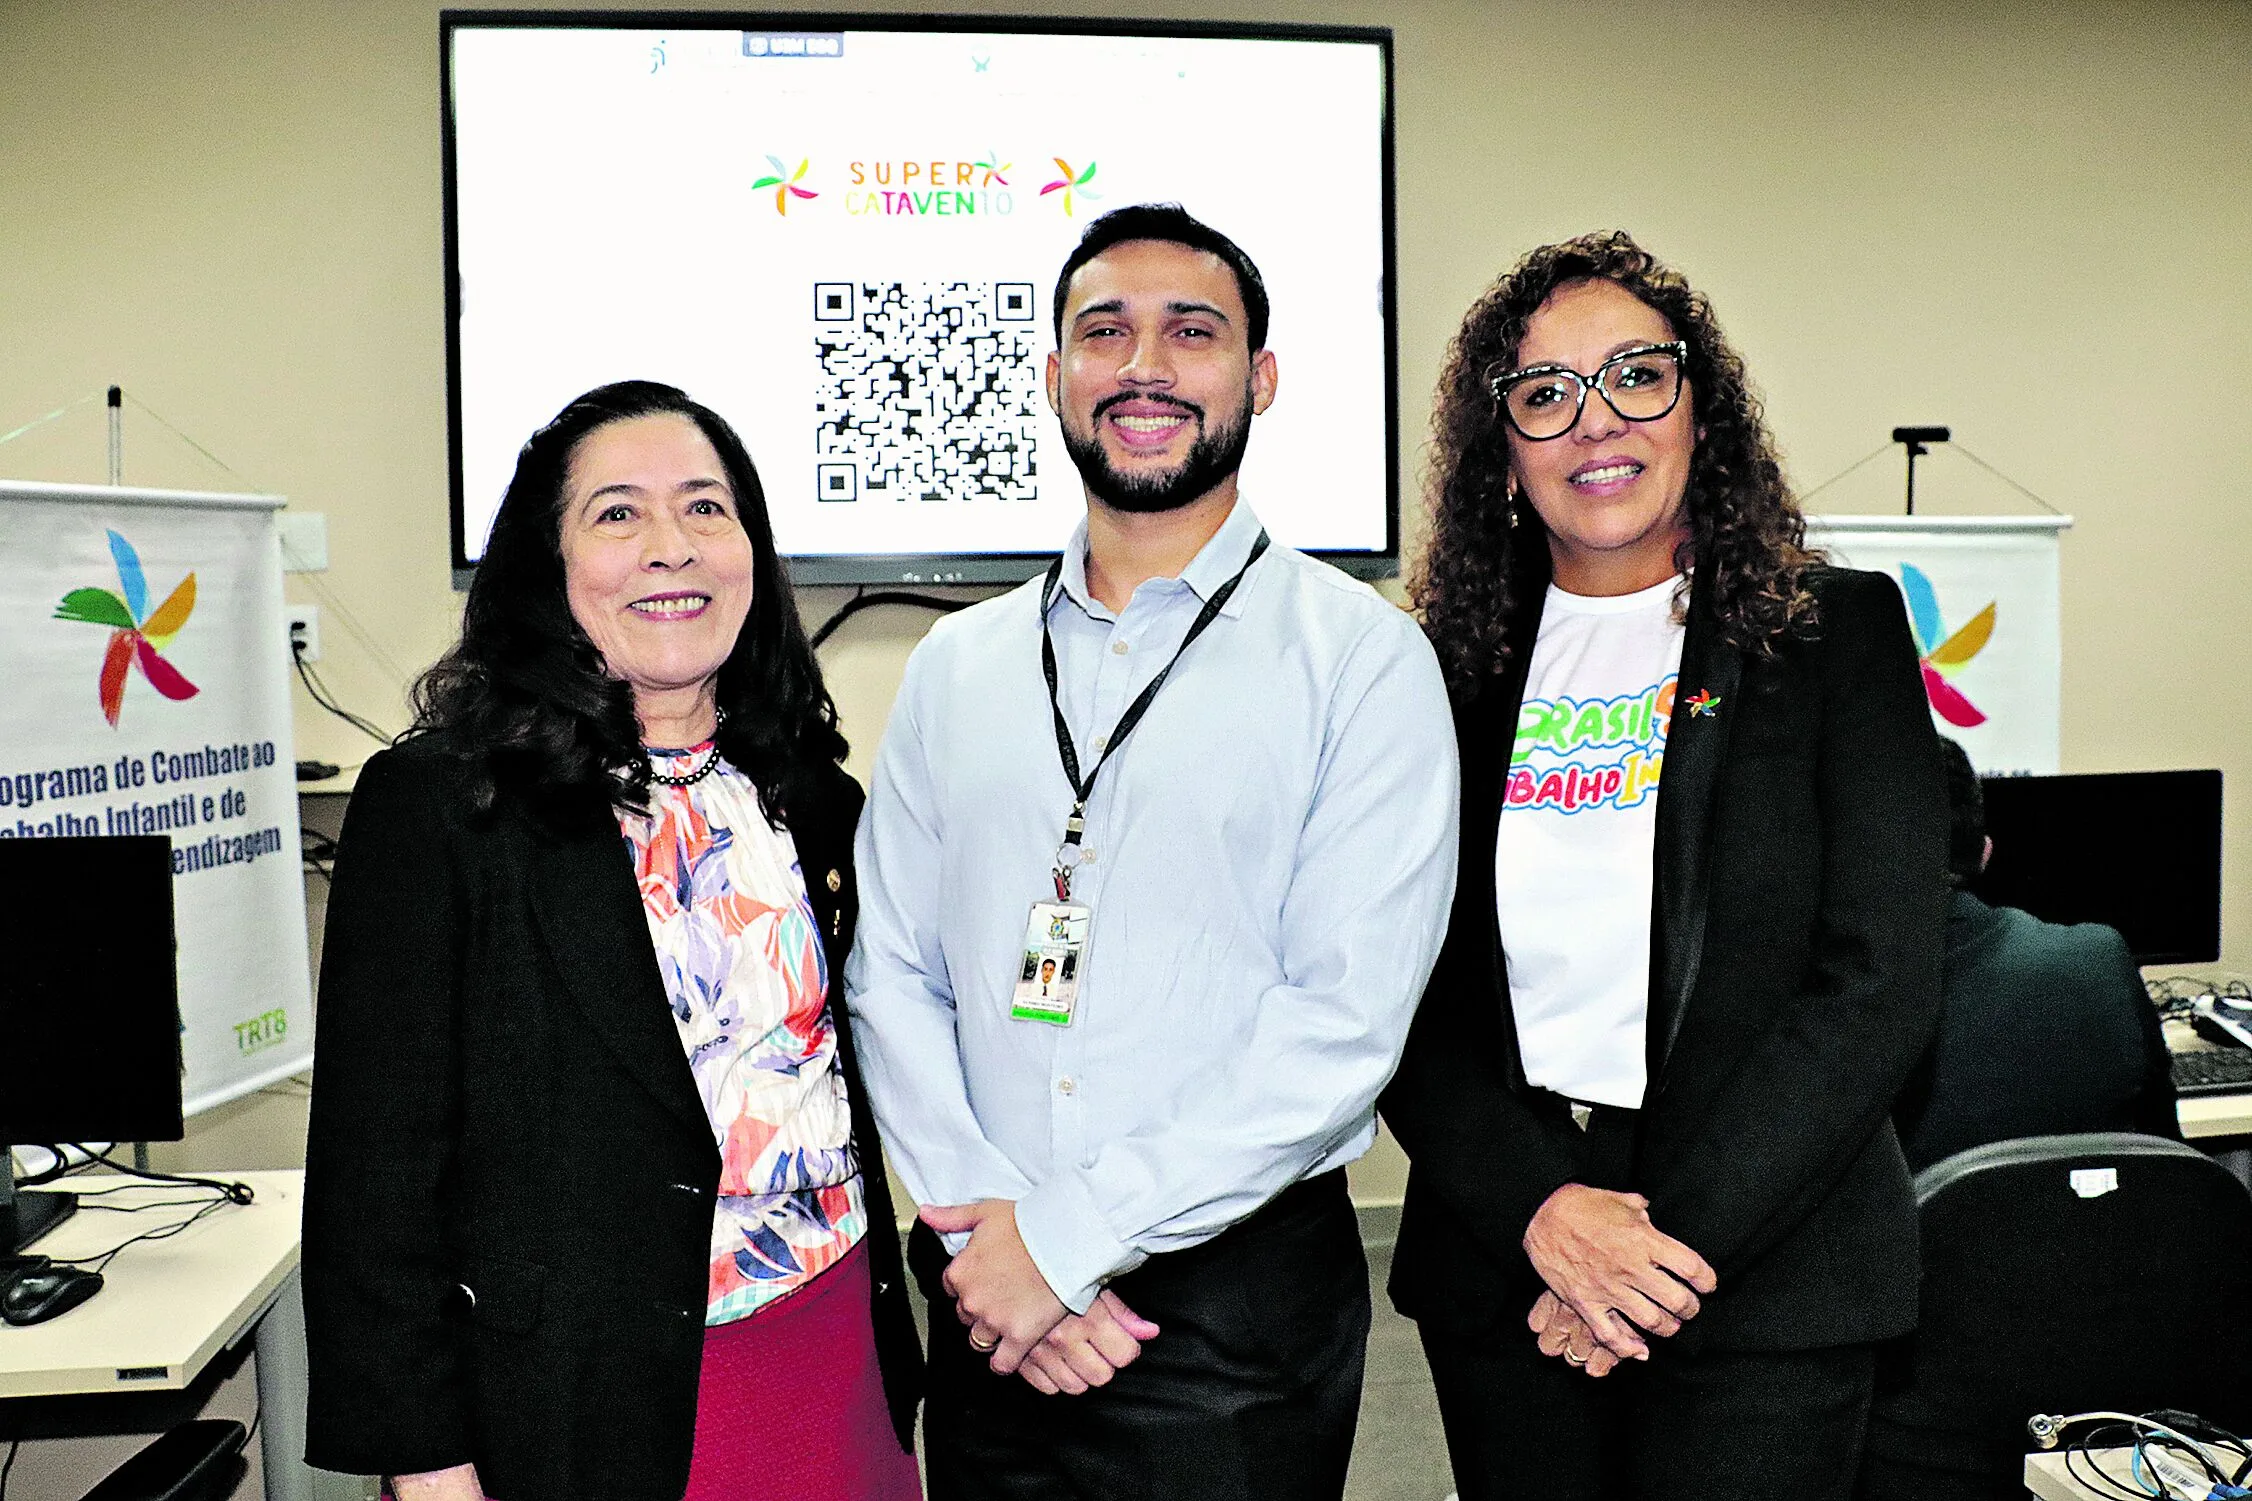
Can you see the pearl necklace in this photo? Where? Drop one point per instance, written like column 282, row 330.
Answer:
column 711, row 763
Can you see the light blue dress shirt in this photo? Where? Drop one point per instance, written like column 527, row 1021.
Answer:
column 1269, row 859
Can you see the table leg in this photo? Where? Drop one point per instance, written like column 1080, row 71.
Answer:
column 281, row 1396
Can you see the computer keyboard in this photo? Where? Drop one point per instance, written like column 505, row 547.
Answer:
column 2213, row 1071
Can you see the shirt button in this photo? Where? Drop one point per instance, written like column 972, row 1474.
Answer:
column 1118, row 648
column 1067, row 1085
column 1087, row 855
column 1102, row 742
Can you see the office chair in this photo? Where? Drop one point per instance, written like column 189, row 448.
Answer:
column 2060, row 1274
column 197, row 1461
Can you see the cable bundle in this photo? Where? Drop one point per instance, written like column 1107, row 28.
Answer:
column 2161, row 1442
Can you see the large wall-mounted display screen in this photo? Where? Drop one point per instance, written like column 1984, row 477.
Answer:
column 843, row 234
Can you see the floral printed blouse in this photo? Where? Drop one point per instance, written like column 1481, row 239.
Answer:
column 741, row 955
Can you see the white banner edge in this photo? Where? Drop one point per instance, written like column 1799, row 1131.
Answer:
column 137, row 495
column 1972, row 524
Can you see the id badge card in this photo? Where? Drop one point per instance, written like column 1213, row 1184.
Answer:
column 1055, row 947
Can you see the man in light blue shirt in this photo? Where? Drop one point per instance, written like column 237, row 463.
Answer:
column 1155, row 1284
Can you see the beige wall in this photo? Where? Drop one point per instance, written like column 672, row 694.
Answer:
column 2030, row 219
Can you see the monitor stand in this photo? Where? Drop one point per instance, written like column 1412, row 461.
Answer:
column 25, row 1216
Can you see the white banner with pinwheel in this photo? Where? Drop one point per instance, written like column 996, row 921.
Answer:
column 144, row 689
column 1982, row 595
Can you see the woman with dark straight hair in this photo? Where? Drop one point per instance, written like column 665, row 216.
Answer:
column 1695, row 944
column 594, row 1205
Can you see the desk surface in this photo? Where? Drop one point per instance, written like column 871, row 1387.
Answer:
column 2208, row 1115
column 2049, row 1477
column 170, row 1306
column 2053, row 1476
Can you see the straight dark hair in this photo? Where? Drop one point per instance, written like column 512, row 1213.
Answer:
column 524, row 695
column 1174, row 225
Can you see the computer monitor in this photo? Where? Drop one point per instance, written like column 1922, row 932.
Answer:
column 2139, row 851
column 841, row 232
column 89, row 1006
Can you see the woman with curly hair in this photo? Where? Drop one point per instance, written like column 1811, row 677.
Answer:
column 1695, row 946
column 593, row 1203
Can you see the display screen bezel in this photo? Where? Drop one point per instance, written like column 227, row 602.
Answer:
column 924, row 569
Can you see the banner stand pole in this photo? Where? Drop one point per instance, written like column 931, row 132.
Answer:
column 116, row 435
column 1913, row 437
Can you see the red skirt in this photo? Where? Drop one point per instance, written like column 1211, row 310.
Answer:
column 792, row 1404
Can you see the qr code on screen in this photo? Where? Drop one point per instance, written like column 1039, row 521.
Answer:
column 928, row 390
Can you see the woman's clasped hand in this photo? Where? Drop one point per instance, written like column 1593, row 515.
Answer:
column 1609, row 1272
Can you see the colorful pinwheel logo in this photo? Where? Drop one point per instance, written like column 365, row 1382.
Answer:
column 994, row 169
column 1943, row 654
column 784, row 182
column 135, row 634
column 1071, row 183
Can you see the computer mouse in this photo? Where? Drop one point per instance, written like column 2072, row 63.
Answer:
column 37, row 1296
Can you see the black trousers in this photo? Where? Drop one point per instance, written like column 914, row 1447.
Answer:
column 1250, row 1392
column 1686, row 1425
column 1683, row 1426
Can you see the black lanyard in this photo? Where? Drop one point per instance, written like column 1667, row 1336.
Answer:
column 1083, row 788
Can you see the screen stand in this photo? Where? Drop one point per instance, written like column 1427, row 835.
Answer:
column 24, row 1217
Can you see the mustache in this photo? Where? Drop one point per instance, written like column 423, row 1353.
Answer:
column 1120, row 398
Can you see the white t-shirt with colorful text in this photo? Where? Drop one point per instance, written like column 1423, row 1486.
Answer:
column 1573, row 864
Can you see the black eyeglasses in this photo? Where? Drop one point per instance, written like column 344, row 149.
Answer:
column 1641, row 384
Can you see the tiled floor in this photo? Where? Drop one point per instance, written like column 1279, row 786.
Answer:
column 1399, row 1454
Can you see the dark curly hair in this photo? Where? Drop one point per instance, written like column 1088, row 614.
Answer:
column 524, row 696
column 1478, row 572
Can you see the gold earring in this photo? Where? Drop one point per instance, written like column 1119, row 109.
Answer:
column 1513, row 504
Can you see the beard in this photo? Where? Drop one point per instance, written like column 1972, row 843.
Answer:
column 1216, row 454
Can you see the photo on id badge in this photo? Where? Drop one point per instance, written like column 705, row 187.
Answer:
column 1055, row 941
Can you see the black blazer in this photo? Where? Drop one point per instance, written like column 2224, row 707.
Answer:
column 510, row 1175
column 1794, row 980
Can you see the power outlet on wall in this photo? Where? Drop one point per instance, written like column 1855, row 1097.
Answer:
column 305, row 632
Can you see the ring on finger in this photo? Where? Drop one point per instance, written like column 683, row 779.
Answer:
column 1572, row 1359
column 984, row 1347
